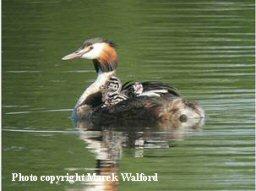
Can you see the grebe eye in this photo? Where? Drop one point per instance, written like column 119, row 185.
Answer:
column 183, row 118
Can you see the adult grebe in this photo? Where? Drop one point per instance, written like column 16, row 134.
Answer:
column 150, row 101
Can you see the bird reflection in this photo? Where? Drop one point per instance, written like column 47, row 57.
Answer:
column 106, row 140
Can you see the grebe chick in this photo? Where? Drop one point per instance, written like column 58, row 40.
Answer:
column 134, row 90
column 137, row 88
column 111, row 92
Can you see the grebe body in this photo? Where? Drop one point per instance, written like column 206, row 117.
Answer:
column 149, row 101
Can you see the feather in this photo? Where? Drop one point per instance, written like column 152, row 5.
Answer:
column 152, row 88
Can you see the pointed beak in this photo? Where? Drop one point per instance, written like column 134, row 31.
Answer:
column 77, row 54
column 72, row 56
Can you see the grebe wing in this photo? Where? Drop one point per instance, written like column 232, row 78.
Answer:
column 134, row 108
column 93, row 100
column 153, row 88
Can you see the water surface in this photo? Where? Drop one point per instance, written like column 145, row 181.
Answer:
column 203, row 48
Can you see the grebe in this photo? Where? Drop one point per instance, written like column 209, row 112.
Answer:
column 111, row 92
column 149, row 101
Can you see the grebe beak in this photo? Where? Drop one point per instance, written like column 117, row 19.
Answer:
column 74, row 55
column 77, row 54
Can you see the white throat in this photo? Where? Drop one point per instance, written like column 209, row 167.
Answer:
column 102, row 78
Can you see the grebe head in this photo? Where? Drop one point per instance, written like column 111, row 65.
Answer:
column 187, row 114
column 101, row 51
column 113, row 85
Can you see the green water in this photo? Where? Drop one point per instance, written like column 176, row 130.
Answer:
column 204, row 48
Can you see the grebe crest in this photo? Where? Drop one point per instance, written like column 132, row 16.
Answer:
column 101, row 51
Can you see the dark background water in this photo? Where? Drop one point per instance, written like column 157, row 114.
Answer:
column 204, row 48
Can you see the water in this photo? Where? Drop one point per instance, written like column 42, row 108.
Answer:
column 203, row 48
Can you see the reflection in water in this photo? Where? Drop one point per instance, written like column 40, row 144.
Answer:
column 106, row 141
column 204, row 48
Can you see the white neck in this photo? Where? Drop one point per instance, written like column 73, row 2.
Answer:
column 102, row 78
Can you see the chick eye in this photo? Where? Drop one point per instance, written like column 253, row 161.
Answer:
column 90, row 47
